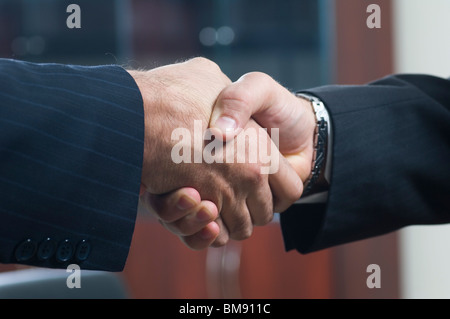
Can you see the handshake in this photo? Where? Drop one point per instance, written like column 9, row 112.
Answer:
column 221, row 157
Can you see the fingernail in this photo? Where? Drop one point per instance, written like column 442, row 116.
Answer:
column 225, row 124
column 185, row 202
column 203, row 215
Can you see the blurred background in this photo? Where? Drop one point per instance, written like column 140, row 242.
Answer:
column 300, row 43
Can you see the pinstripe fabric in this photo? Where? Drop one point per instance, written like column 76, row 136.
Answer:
column 391, row 163
column 71, row 147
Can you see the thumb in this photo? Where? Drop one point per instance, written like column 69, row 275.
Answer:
column 254, row 95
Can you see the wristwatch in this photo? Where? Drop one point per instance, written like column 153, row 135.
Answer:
column 316, row 182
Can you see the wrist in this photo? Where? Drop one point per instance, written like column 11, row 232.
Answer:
column 300, row 130
column 150, row 95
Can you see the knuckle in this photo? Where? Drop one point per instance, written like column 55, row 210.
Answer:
column 206, row 63
column 236, row 98
column 222, row 237
column 211, row 68
column 220, row 241
column 241, row 228
column 262, row 208
column 241, row 232
column 254, row 176
column 237, row 221
column 264, row 219
column 257, row 77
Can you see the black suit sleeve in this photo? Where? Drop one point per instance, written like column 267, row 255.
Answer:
column 390, row 163
column 71, row 147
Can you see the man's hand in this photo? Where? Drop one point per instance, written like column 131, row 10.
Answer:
column 174, row 97
column 254, row 95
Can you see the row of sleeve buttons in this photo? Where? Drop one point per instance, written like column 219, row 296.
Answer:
column 63, row 251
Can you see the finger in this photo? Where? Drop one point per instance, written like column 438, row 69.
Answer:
column 237, row 220
column 174, row 205
column 254, row 95
column 260, row 206
column 301, row 163
column 202, row 239
column 286, row 186
column 195, row 220
column 223, row 235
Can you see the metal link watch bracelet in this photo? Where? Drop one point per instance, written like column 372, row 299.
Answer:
column 316, row 181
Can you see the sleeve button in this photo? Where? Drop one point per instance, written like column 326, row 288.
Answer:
column 46, row 249
column 83, row 250
column 25, row 251
column 65, row 251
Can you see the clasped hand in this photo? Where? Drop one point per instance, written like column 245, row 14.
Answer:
column 207, row 202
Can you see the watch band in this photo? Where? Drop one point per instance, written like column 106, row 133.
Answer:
column 316, row 182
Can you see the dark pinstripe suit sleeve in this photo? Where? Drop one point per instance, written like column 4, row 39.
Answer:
column 390, row 163
column 71, row 147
